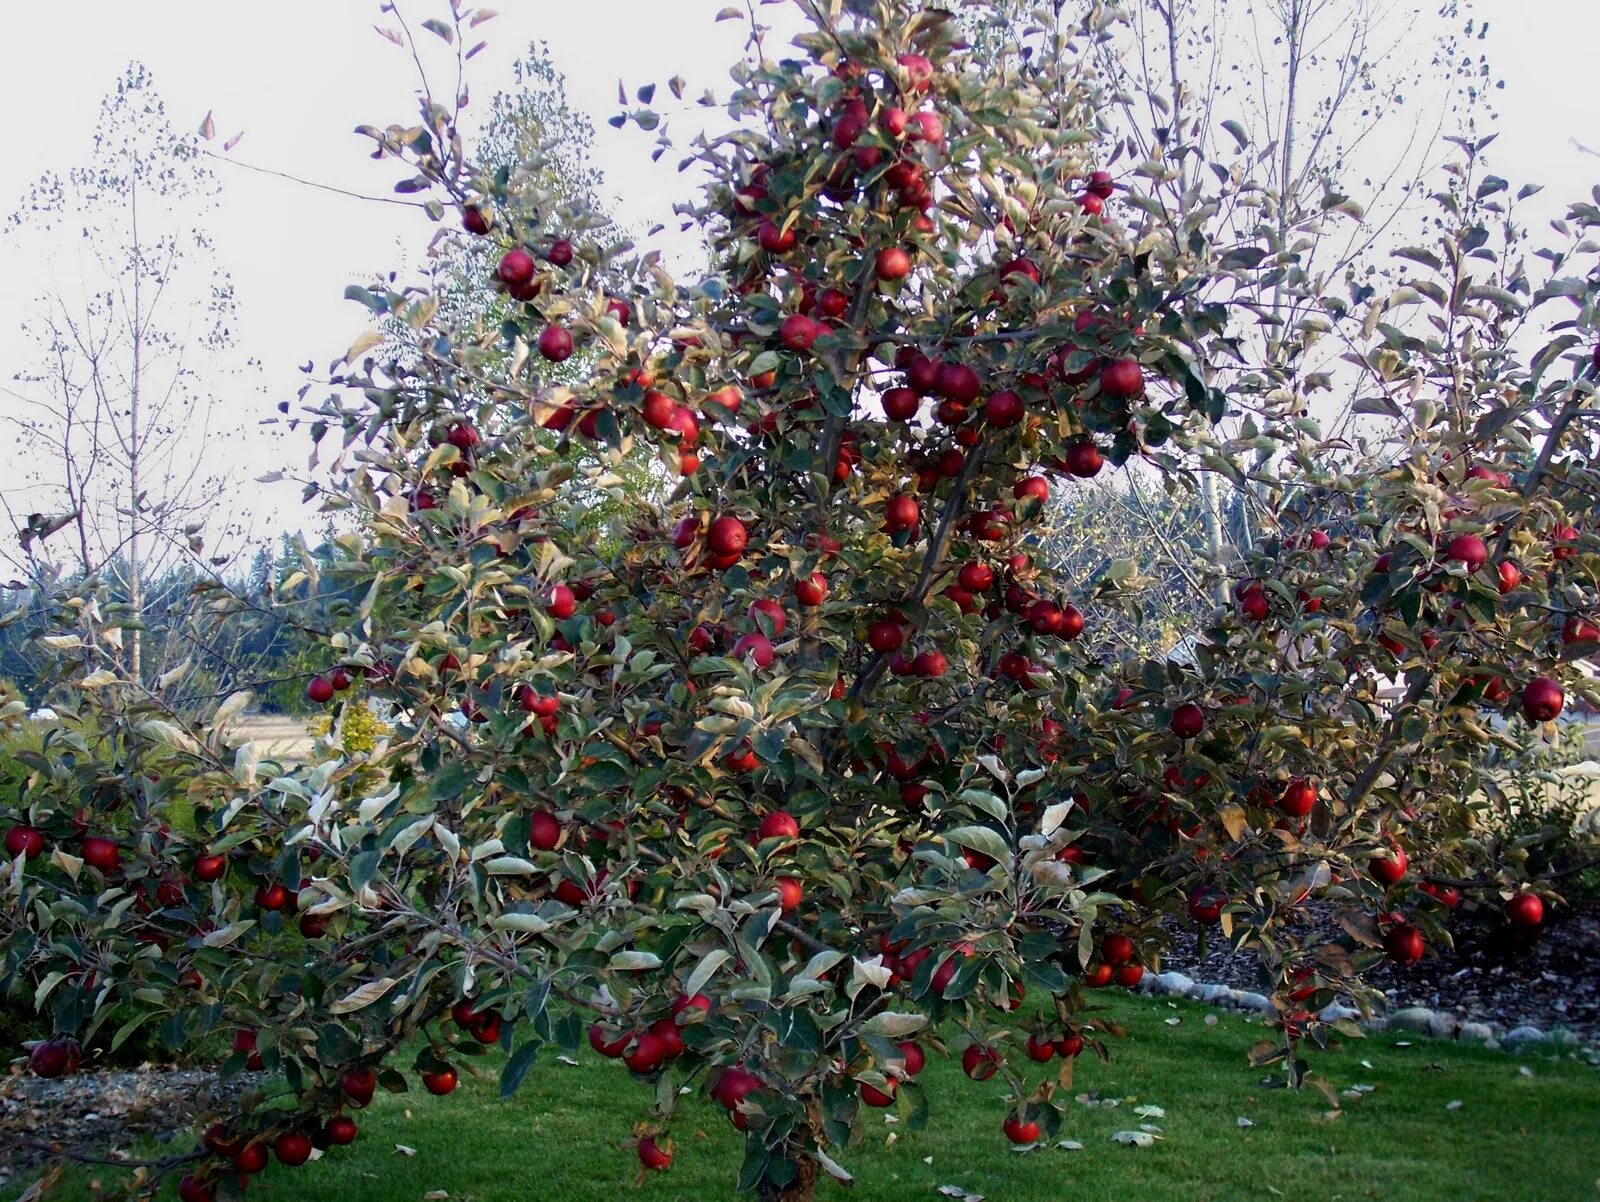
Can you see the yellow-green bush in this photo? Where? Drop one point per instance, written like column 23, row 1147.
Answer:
column 361, row 731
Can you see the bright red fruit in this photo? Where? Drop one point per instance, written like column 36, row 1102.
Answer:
column 1299, row 799
column 811, row 590
column 319, row 690
column 980, row 1061
column 1117, row 948
column 774, row 239
column 25, row 841
column 1003, row 409
column 101, row 854
column 54, row 1057
column 1040, row 1047
column 340, row 1130
column 900, row 404
column 1467, row 549
column 1188, row 720
column 728, row 536
column 292, row 1148
column 1525, row 909
column 555, row 344
column 902, row 512
column 892, row 263
column 516, row 268
column 189, row 1189
column 1083, row 459
column 1122, row 379
column 798, row 332
column 1020, row 1130
column 1404, row 943
column 778, row 825
column 886, row 637
column 562, row 603
column 915, row 1057
column 958, row 382
column 653, row 1156
column 1389, row 870
column 1205, row 905
column 873, row 1096
column 756, row 647
column 442, row 1082
column 1542, row 699
column 772, row 611
column 359, row 1084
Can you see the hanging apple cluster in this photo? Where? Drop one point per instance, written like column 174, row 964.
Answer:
column 819, row 768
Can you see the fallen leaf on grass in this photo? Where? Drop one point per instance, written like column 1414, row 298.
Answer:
column 1148, row 1111
column 1243, row 1122
column 402, row 1150
column 1134, row 1139
column 955, row 1191
column 436, row 1195
column 1070, row 1145
column 1453, row 1105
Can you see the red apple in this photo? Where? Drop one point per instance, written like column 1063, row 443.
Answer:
column 1117, row 948
column 728, row 536
column 562, row 603
column 319, row 690
column 774, row 239
column 1298, row 799
column 653, row 1156
column 1525, row 910
column 1542, row 699
column 980, row 1061
column 1122, row 379
column 873, row 1096
column 1020, row 1130
column 886, row 637
column 54, row 1057
column 25, row 841
column 772, row 611
column 1188, row 720
column 892, row 263
column 1003, row 409
column 1389, row 870
column 359, row 1084
column 516, row 268
column 442, row 1082
column 778, row 825
column 1467, row 549
column 292, row 1148
column 1083, row 459
column 555, row 344
column 798, row 332
column 100, row 853
column 811, row 590
column 756, row 647
column 1404, row 943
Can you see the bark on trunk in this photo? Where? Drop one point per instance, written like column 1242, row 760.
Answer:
column 802, row 1189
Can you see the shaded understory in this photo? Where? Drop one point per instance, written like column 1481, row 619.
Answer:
column 1524, row 1128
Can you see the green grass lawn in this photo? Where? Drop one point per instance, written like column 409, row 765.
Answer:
column 1526, row 1128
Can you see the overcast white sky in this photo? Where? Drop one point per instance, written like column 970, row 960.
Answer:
column 298, row 75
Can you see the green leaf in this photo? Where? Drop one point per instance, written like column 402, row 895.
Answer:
column 516, row 1068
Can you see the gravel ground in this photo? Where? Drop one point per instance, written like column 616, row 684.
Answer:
column 1550, row 980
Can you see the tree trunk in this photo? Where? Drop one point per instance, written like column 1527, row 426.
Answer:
column 802, row 1189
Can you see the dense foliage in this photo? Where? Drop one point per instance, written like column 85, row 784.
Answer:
column 828, row 768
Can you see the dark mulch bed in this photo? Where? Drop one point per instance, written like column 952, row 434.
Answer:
column 95, row 1112
column 1493, row 975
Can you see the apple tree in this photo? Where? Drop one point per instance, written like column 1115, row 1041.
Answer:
column 828, row 767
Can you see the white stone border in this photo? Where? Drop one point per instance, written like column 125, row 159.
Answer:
column 1419, row 1019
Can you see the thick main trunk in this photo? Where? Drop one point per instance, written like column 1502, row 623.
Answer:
column 802, row 1189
